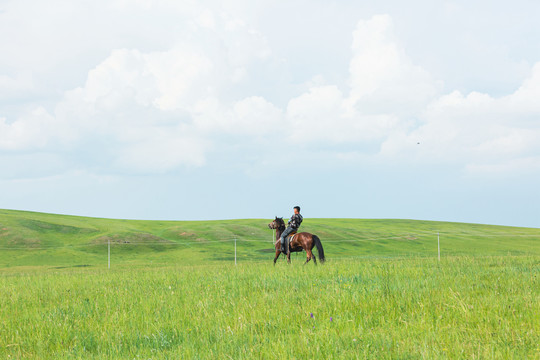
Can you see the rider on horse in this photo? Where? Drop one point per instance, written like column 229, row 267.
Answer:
column 293, row 225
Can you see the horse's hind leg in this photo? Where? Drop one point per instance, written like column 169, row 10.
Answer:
column 277, row 255
column 309, row 256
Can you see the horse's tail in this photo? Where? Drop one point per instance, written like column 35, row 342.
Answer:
column 320, row 249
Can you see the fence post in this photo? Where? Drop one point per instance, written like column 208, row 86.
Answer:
column 438, row 247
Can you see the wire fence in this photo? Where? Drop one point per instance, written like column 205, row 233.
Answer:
column 405, row 237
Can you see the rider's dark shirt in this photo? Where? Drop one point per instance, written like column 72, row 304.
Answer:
column 295, row 221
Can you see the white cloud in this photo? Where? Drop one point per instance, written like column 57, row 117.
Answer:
column 166, row 80
column 252, row 116
column 385, row 90
column 382, row 76
column 479, row 131
column 398, row 105
column 526, row 99
column 27, row 132
column 159, row 150
column 156, row 110
column 133, row 100
column 13, row 86
column 324, row 115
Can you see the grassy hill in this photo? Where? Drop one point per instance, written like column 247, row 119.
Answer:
column 34, row 239
column 173, row 292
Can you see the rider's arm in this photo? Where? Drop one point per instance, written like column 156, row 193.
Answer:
column 294, row 221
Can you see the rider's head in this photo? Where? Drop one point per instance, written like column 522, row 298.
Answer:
column 296, row 209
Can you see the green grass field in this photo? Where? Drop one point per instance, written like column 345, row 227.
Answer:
column 173, row 290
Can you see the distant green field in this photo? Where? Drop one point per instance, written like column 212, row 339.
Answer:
column 174, row 292
column 35, row 239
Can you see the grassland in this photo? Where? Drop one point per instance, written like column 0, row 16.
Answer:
column 173, row 291
column 37, row 239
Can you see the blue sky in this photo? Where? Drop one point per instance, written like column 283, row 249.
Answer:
column 241, row 109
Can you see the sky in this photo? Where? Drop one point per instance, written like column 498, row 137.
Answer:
column 195, row 110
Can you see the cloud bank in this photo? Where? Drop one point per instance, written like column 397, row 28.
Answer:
column 155, row 111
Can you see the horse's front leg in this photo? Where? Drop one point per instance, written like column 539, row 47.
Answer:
column 289, row 257
column 277, row 255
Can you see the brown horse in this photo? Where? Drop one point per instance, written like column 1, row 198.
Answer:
column 301, row 241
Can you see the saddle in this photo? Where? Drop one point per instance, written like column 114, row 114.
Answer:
column 289, row 239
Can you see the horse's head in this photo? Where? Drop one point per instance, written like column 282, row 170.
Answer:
column 278, row 223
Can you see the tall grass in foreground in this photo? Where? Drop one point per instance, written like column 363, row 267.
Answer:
column 462, row 307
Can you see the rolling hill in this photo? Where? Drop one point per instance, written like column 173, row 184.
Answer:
column 173, row 290
column 35, row 239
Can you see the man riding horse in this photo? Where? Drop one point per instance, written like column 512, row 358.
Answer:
column 299, row 242
column 292, row 226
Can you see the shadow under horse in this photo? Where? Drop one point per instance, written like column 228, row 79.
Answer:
column 297, row 242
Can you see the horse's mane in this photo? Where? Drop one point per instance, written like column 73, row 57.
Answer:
column 280, row 222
